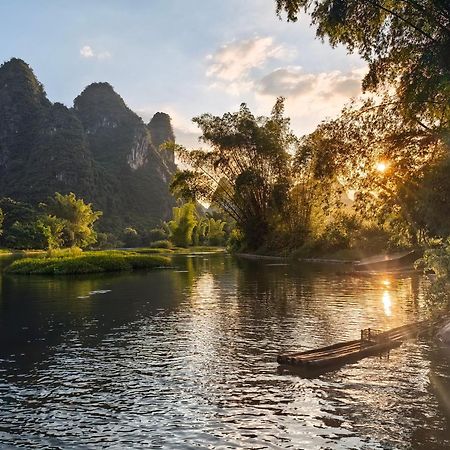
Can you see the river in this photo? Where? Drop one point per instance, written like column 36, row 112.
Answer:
column 186, row 359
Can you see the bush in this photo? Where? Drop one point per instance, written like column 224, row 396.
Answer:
column 236, row 241
column 437, row 261
column 156, row 234
column 64, row 252
column 109, row 263
column 161, row 244
column 70, row 266
column 131, row 237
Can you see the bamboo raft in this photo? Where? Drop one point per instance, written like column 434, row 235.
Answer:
column 372, row 342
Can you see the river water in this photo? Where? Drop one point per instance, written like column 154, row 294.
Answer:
column 186, row 359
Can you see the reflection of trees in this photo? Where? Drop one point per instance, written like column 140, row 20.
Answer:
column 313, row 305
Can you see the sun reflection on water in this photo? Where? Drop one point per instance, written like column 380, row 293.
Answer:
column 387, row 303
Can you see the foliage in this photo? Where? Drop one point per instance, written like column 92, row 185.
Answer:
column 99, row 149
column 156, row 234
column 351, row 148
column 2, row 217
column 236, row 241
column 404, row 42
column 161, row 244
column 131, row 237
column 437, row 261
column 406, row 123
column 52, row 229
column 64, row 252
column 215, row 232
column 25, row 236
column 18, row 212
column 89, row 262
column 107, row 241
column 428, row 199
column 246, row 171
column 182, row 225
column 77, row 219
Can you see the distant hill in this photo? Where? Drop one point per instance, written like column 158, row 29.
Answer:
column 99, row 149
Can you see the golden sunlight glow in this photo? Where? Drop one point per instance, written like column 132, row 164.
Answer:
column 381, row 166
column 387, row 303
column 386, row 283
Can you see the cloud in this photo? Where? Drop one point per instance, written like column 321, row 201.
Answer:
column 310, row 97
column 87, row 52
column 294, row 82
column 232, row 64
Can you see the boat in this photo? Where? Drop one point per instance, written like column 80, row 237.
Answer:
column 372, row 342
column 394, row 262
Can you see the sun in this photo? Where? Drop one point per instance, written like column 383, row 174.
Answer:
column 381, row 166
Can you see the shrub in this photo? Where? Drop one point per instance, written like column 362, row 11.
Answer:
column 156, row 234
column 70, row 266
column 109, row 263
column 161, row 244
column 131, row 237
column 64, row 252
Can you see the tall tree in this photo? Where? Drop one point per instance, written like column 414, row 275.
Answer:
column 78, row 219
column 385, row 158
column 182, row 224
column 406, row 43
column 246, row 169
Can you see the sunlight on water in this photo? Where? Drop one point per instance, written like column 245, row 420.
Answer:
column 387, row 303
column 187, row 358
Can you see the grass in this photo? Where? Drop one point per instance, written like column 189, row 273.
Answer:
column 88, row 262
column 179, row 250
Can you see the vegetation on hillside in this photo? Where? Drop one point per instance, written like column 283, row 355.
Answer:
column 99, row 149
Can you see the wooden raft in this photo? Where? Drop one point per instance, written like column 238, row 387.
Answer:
column 372, row 342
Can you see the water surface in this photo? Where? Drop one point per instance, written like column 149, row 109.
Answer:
column 186, row 358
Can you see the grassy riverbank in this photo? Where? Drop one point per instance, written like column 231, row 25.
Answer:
column 75, row 261
column 88, row 262
column 178, row 250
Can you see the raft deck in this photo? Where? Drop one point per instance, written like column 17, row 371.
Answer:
column 372, row 342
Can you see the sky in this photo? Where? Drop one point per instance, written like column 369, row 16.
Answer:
column 183, row 57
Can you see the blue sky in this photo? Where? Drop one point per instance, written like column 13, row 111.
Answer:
column 185, row 57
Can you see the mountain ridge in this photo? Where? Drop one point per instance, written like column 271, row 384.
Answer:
column 99, row 149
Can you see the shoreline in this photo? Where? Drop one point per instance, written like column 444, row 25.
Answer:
column 254, row 256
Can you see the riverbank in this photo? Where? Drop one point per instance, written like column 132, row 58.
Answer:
column 339, row 257
column 256, row 257
column 195, row 250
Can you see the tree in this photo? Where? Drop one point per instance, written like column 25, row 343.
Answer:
column 182, row 225
column 131, row 237
column 428, row 199
column 246, row 171
column 20, row 225
column 215, row 232
column 52, row 230
column 1, row 222
column 23, row 235
column 406, row 43
column 375, row 151
column 77, row 217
